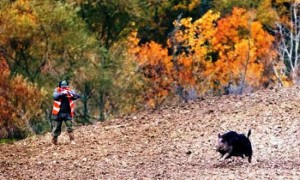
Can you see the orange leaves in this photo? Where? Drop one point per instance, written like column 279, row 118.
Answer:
column 243, row 44
column 4, row 69
column 156, row 66
column 236, row 47
column 153, row 54
column 154, row 60
column 209, row 54
column 229, row 28
column 20, row 102
column 6, row 108
column 261, row 38
column 150, row 54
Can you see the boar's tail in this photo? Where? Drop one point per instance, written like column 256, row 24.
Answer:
column 249, row 133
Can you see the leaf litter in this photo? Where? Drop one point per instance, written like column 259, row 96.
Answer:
column 172, row 142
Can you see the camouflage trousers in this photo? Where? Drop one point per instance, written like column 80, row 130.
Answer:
column 57, row 124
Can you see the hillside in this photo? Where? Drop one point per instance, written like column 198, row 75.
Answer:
column 175, row 142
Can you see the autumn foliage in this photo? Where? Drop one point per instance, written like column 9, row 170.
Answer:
column 209, row 55
column 156, row 66
column 20, row 104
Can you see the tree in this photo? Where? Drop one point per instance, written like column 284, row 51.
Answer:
column 247, row 44
column 45, row 42
column 225, row 7
column 43, row 39
column 156, row 66
column 111, row 22
column 161, row 14
column 193, row 49
column 209, row 54
column 20, row 103
column 288, row 33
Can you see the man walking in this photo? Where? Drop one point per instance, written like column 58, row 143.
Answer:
column 63, row 110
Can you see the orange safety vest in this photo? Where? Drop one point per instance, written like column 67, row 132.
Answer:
column 56, row 104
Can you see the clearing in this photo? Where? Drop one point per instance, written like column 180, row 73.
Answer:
column 174, row 142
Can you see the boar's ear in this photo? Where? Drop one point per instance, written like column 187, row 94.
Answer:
column 249, row 133
column 219, row 135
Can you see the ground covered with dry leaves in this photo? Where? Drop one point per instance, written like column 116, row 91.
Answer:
column 173, row 142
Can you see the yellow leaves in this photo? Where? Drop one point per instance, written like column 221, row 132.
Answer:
column 133, row 40
column 18, row 20
column 205, row 27
column 266, row 14
column 193, row 4
column 196, row 36
column 23, row 13
column 209, row 53
column 208, row 19
column 187, row 5
column 186, row 22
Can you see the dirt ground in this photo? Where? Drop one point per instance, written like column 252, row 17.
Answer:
column 174, row 142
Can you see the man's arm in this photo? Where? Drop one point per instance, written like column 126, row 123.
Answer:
column 74, row 95
column 57, row 95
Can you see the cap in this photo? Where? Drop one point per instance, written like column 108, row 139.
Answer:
column 63, row 83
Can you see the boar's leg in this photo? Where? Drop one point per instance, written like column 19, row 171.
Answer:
column 249, row 159
column 227, row 154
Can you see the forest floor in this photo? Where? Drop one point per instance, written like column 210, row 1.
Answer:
column 173, row 142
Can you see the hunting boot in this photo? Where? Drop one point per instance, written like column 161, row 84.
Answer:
column 71, row 136
column 54, row 140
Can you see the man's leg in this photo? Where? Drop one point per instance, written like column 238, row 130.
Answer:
column 70, row 130
column 56, row 130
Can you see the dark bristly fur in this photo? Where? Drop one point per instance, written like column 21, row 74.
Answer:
column 234, row 144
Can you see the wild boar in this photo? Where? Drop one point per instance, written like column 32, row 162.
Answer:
column 234, row 144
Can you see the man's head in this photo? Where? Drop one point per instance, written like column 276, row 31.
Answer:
column 63, row 84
